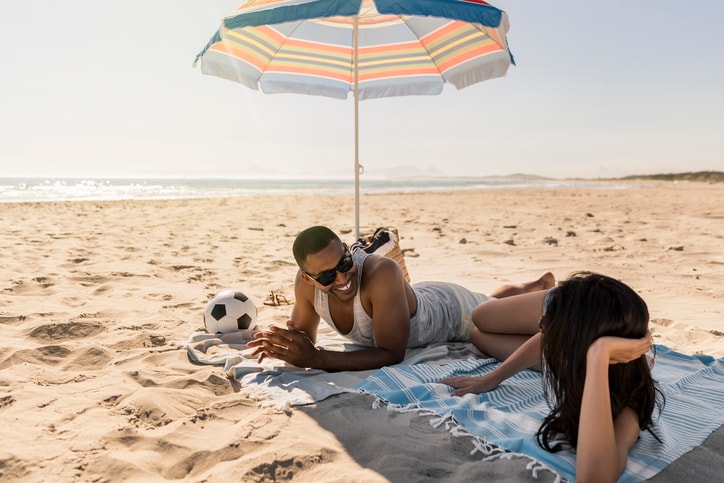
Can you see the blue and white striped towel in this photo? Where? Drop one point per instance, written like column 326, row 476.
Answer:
column 509, row 417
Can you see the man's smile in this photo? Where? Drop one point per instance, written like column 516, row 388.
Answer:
column 345, row 287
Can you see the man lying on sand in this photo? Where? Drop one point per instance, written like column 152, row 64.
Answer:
column 365, row 297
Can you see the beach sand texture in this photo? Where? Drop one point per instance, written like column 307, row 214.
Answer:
column 96, row 299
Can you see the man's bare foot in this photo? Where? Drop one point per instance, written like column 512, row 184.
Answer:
column 544, row 282
column 547, row 280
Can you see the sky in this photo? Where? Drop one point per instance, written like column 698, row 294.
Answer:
column 600, row 89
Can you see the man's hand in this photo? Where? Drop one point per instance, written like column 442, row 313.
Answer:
column 289, row 345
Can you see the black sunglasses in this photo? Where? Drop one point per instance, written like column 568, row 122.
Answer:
column 328, row 277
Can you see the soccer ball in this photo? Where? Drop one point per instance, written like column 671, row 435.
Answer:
column 229, row 311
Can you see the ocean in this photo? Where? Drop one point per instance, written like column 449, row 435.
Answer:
column 81, row 189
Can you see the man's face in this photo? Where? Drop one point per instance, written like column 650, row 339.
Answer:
column 332, row 261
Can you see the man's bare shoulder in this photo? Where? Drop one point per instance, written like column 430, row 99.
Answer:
column 381, row 270
column 375, row 261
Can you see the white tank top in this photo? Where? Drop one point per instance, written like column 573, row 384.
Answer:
column 361, row 331
column 443, row 311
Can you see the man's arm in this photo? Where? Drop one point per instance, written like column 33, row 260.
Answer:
column 385, row 294
column 385, row 290
column 296, row 344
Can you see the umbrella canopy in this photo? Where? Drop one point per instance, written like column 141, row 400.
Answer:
column 373, row 48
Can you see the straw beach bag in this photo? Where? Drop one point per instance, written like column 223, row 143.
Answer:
column 385, row 242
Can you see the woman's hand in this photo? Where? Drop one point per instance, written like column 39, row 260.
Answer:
column 620, row 349
column 472, row 384
column 527, row 356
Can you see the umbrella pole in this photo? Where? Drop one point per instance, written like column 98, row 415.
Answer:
column 355, row 69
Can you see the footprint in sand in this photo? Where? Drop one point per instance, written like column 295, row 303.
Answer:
column 171, row 455
column 75, row 360
column 34, row 287
column 43, row 281
column 185, row 305
column 12, row 319
column 90, row 280
column 278, row 264
column 50, row 355
column 6, row 401
column 285, row 469
column 91, row 358
column 207, row 380
column 74, row 301
column 663, row 322
column 13, row 468
column 71, row 330
column 154, row 406
column 102, row 289
column 158, row 296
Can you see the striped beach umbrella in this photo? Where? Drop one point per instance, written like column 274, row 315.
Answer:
column 372, row 48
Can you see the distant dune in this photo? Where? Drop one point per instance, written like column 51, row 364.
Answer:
column 706, row 176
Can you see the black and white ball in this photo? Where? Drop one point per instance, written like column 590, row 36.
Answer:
column 229, row 311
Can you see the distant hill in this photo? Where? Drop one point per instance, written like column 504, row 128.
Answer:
column 705, row 176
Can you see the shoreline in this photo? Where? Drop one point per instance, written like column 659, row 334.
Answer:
column 14, row 190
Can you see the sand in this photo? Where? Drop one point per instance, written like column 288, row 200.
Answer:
column 97, row 299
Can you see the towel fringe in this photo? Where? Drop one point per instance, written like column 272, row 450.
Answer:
column 408, row 408
column 445, row 418
column 535, row 466
column 480, row 444
column 378, row 403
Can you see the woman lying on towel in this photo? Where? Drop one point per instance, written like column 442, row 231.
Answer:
column 589, row 337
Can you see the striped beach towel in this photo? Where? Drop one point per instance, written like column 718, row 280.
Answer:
column 504, row 422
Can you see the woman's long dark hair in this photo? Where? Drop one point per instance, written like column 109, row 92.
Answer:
column 580, row 310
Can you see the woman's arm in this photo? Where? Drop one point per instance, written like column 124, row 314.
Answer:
column 525, row 357
column 603, row 444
